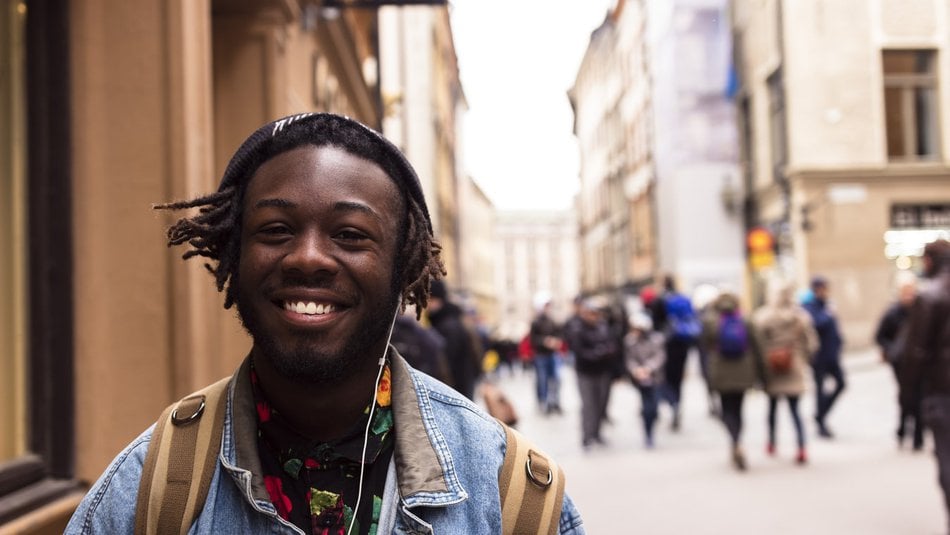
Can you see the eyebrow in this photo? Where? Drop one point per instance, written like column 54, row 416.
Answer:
column 340, row 206
column 350, row 206
column 276, row 203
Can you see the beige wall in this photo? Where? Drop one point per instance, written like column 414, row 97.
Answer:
column 836, row 136
column 148, row 328
column 162, row 96
column 162, row 93
column 833, row 112
column 846, row 243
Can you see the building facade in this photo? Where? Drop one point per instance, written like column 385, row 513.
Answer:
column 657, row 135
column 536, row 255
column 477, row 232
column 844, row 110
column 423, row 104
column 107, row 107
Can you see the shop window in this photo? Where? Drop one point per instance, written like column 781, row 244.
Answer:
column 36, row 388
column 910, row 105
column 12, row 233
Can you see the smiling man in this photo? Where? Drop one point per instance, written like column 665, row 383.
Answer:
column 320, row 235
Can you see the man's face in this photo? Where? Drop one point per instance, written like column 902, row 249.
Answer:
column 590, row 315
column 906, row 294
column 315, row 277
column 821, row 292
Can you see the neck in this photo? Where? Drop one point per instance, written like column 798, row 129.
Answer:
column 321, row 411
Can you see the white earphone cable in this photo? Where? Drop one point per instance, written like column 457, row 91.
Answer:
column 369, row 421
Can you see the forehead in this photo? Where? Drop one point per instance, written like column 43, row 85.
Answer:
column 314, row 174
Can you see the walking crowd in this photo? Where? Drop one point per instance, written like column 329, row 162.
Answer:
column 772, row 349
column 790, row 345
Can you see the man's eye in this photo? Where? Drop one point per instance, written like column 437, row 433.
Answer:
column 275, row 230
column 351, row 235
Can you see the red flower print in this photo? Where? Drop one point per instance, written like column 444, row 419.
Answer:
column 263, row 411
column 275, row 488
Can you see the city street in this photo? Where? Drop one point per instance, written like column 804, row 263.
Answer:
column 858, row 483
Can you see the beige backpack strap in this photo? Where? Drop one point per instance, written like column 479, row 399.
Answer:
column 531, row 486
column 181, row 460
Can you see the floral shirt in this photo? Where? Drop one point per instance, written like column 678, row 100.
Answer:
column 314, row 485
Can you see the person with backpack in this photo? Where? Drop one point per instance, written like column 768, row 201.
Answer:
column 673, row 315
column 320, row 235
column 787, row 341
column 734, row 365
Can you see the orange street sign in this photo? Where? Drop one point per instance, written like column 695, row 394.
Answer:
column 759, row 240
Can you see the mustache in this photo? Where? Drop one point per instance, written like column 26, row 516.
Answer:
column 303, row 282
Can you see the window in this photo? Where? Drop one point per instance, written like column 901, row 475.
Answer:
column 776, row 87
column 36, row 399
column 910, row 106
column 12, row 228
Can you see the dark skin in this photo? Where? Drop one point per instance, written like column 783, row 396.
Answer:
column 318, row 246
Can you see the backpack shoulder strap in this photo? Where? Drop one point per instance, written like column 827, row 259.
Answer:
column 531, row 486
column 180, row 462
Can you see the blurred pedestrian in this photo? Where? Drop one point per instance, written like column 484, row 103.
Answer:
column 507, row 354
column 423, row 348
column 926, row 357
column 890, row 337
column 546, row 340
column 618, row 325
column 673, row 315
column 461, row 345
column 594, row 348
column 644, row 356
column 734, row 365
column 787, row 341
column 827, row 361
column 573, row 325
column 703, row 298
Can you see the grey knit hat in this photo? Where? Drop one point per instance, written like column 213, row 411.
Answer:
column 323, row 129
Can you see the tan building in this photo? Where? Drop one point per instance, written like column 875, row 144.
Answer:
column 537, row 254
column 844, row 114
column 423, row 101
column 477, row 233
column 107, row 107
column 657, row 137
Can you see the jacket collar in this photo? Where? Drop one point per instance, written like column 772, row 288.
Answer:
column 424, row 469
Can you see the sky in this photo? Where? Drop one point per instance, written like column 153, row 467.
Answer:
column 517, row 61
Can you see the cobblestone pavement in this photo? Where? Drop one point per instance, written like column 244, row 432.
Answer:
column 857, row 483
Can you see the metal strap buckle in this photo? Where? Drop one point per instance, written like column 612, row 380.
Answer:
column 534, row 479
column 195, row 413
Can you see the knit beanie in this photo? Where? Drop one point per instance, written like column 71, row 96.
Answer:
column 323, row 129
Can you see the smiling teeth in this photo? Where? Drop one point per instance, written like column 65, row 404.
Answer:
column 310, row 308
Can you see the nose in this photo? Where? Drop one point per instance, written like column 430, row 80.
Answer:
column 310, row 254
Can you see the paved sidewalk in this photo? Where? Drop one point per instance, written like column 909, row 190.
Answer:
column 858, row 483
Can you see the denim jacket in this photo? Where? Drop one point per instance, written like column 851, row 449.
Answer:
column 443, row 476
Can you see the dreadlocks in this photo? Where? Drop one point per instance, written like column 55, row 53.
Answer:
column 215, row 231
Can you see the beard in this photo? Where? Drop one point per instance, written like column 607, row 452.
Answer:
column 302, row 360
